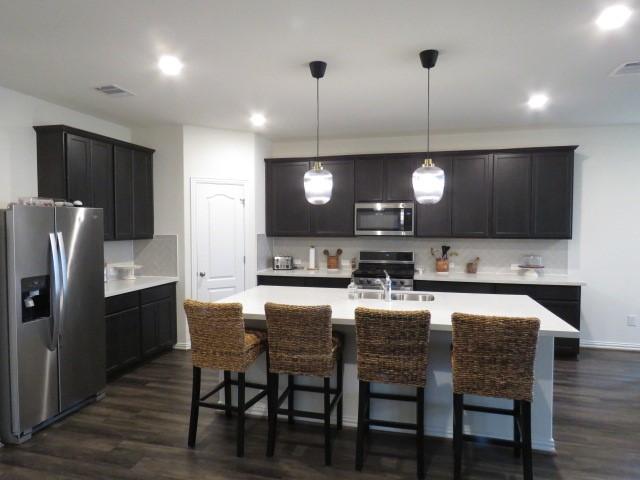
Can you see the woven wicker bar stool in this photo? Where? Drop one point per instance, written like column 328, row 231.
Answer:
column 220, row 341
column 301, row 343
column 393, row 348
column 494, row 357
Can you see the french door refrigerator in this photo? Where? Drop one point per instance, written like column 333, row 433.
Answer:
column 52, row 329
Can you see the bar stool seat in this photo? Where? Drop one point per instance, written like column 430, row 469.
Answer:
column 392, row 349
column 494, row 357
column 220, row 341
column 301, row 342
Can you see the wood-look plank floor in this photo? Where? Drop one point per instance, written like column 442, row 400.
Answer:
column 139, row 432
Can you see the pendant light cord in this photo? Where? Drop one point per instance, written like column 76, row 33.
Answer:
column 428, row 111
column 317, row 119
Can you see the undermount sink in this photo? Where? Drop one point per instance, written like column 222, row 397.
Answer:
column 396, row 296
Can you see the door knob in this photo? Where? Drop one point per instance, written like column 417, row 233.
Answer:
column 202, row 274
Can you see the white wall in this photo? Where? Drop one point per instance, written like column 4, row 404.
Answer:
column 18, row 114
column 168, row 185
column 226, row 155
column 604, row 249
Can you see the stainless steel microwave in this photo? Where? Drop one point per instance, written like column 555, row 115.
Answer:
column 384, row 218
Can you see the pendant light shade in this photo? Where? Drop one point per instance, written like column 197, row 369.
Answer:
column 428, row 180
column 318, row 182
column 428, row 183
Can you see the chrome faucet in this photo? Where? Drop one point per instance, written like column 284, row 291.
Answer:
column 386, row 286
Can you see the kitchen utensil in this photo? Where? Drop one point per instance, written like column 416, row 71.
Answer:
column 472, row 267
column 333, row 261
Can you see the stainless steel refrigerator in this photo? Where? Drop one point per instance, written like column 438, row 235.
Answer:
column 52, row 329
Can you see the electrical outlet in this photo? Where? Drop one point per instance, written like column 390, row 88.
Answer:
column 632, row 320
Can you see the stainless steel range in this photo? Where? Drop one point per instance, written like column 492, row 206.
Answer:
column 372, row 266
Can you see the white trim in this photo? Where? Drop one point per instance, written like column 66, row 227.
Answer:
column 193, row 181
column 182, row 346
column 632, row 347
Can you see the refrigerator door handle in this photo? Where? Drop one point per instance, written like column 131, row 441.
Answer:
column 63, row 260
column 55, row 311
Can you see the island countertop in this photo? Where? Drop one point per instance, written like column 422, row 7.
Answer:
column 445, row 304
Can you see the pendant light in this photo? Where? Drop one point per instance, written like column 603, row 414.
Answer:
column 428, row 179
column 318, row 182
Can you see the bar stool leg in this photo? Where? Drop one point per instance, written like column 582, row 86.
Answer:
column 527, row 461
column 362, row 404
column 340, row 377
column 367, row 410
column 195, row 407
column 290, row 399
column 227, row 393
column 458, row 413
column 517, row 410
column 420, row 431
column 240, row 433
column 327, row 421
column 272, row 389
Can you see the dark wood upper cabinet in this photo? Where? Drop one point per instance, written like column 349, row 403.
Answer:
column 471, row 193
column 123, row 193
column 102, row 184
column 511, row 195
column 335, row 219
column 79, row 179
column 552, row 195
column 142, row 194
column 369, row 179
column 385, row 178
column 288, row 212
column 435, row 220
column 398, row 172
column 74, row 164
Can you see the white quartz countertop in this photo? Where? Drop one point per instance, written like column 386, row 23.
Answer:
column 118, row 287
column 515, row 277
column 441, row 308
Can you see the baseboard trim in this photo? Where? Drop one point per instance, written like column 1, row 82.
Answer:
column 631, row 347
column 182, row 346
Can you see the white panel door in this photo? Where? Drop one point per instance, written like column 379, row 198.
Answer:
column 218, row 225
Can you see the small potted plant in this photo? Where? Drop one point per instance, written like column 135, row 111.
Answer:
column 442, row 259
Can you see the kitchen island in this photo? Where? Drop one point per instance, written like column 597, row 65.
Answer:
column 438, row 399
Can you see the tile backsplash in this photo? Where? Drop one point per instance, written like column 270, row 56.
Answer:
column 157, row 256
column 496, row 255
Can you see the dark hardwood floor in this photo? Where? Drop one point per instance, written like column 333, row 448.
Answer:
column 139, row 431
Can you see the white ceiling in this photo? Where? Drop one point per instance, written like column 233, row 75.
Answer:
column 243, row 56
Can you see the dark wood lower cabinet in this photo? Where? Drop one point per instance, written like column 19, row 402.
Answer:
column 123, row 339
column 139, row 325
column 322, row 282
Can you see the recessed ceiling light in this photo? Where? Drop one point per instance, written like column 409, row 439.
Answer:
column 170, row 65
column 257, row 119
column 613, row 17
column 538, row 101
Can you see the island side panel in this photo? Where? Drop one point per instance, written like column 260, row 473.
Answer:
column 438, row 404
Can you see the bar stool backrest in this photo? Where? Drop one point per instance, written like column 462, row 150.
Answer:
column 393, row 346
column 217, row 334
column 494, row 356
column 299, row 339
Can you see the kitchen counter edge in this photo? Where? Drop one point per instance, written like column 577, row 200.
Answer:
column 118, row 287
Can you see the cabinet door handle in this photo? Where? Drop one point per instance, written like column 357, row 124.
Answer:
column 202, row 274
